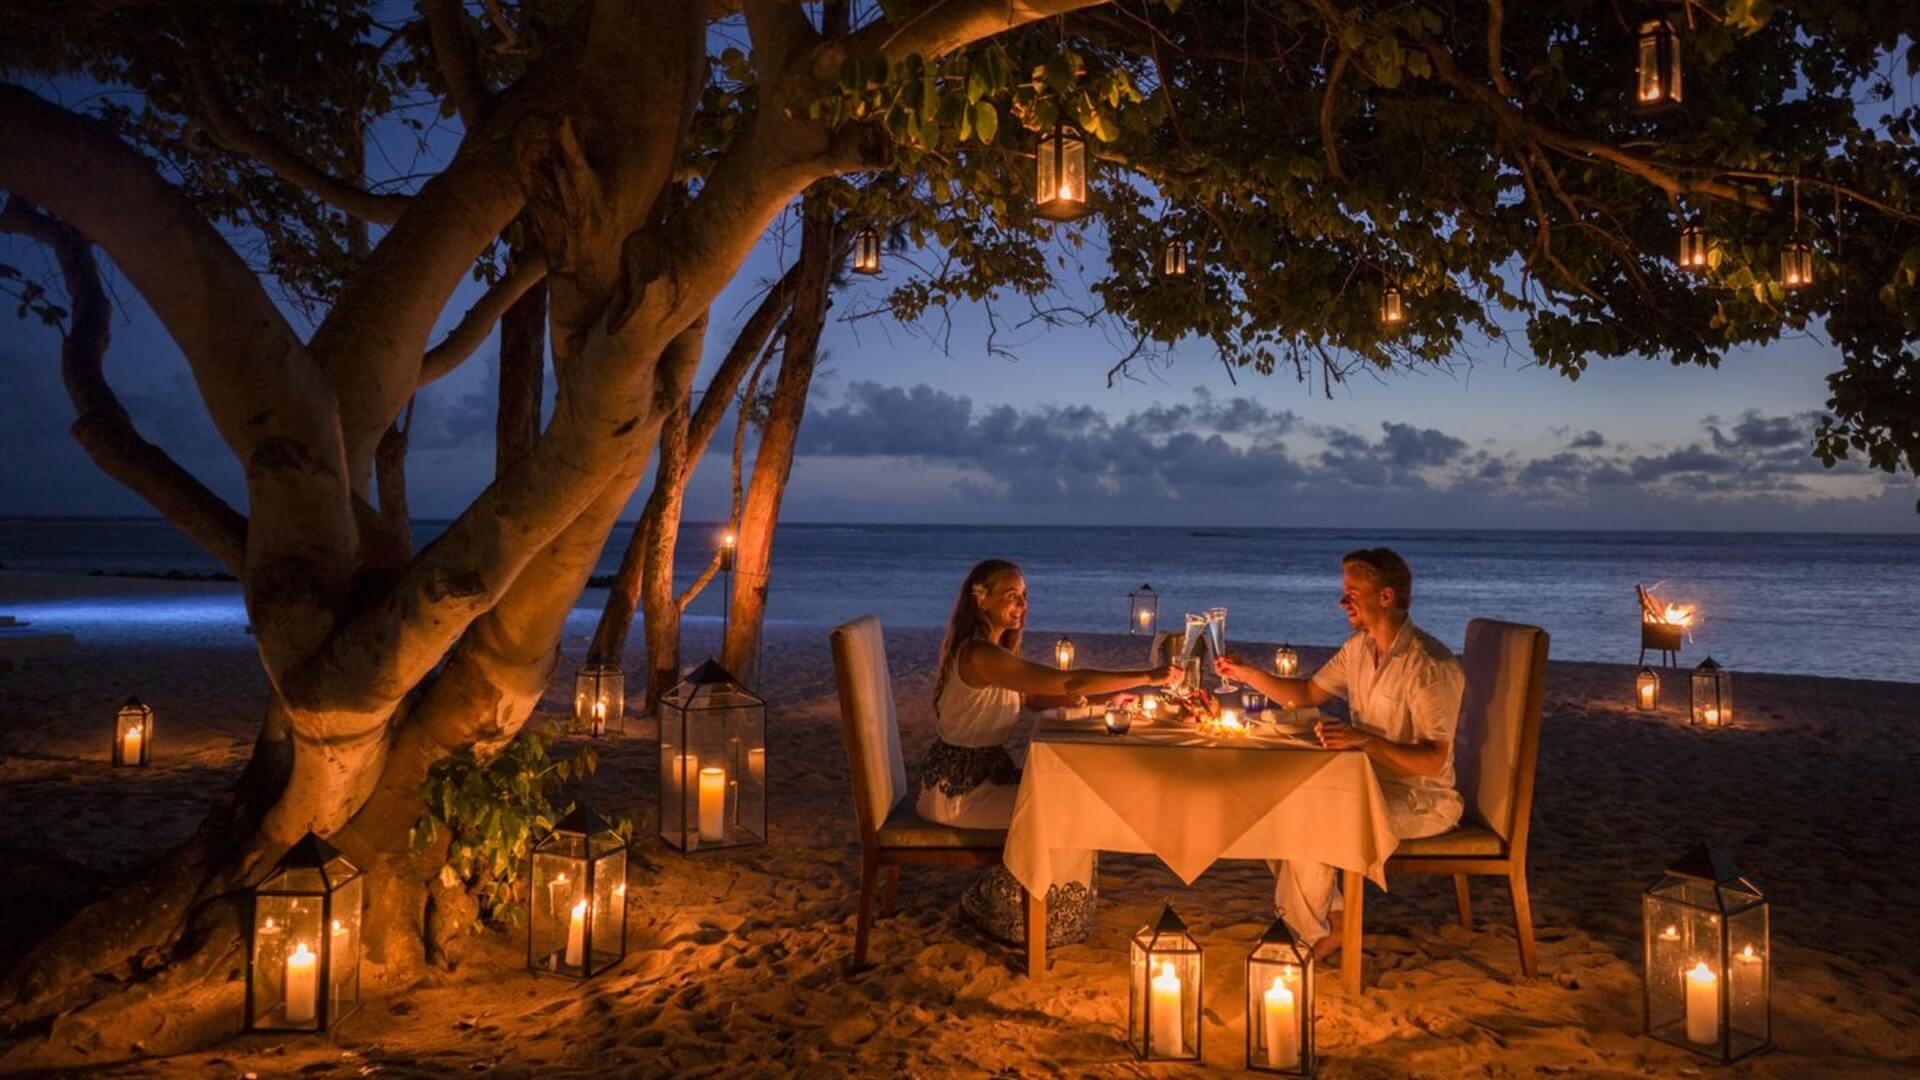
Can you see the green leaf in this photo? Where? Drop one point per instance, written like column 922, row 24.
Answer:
column 986, row 121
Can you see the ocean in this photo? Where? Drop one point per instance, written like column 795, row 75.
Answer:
column 1838, row 605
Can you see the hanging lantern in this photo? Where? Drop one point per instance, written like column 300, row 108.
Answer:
column 1693, row 248
column 1063, row 653
column 1657, row 72
column 599, row 698
column 1646, row 689
column 1061, row 191
column 1709, row 984
column 866, row 251
column 577, row 898
column 1163, row 1020
column 1173, row 261
column 1796, row 264
column 1143, row 615
column 303, row 972
column 1286, row 662
column 1712, row 695
column 728, row 543
column 1393, row 311
column 1280, row 1004
column 713, row 744
column 133, row 733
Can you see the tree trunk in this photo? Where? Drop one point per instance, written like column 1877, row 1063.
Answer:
column 773, row 462
column 523, row 366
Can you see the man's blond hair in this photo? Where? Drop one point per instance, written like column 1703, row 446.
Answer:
column 1386, row 569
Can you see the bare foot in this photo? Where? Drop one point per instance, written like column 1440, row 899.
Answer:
column 1327, row 946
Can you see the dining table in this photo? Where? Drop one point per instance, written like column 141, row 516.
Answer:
column 1192, row 796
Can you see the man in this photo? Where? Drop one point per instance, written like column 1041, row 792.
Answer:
column 1402, row 689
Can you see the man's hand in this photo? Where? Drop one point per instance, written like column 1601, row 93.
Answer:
column 1337, row 736
column 1233, row 669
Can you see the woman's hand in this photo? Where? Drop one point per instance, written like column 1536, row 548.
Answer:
column 1337, row 736
column 1168, row 675
column 1233, row 669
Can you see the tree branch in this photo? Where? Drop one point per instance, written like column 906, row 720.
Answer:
column 1496, row 70
column 453, row 51
column 780, row 32
column 942, row 27
column 524, row 273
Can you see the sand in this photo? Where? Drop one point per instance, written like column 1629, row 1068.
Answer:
column 736, row 961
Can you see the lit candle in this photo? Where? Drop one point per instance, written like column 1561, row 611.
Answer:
column 1646, row 695
column 681, row 769
column 1230, row 721
column 1703, row 1005
column 1746, row 983
column 302, row 976
column 1166, row 1038
column 1283, row 1031
column 599, row 719
column 130, row 744
column 1149, row 705
column 577, row 935
column 713, row 803
column 1146, row 617
column 1711, row 714
column 337, row 959
column 757, row 765
column 558, row 889
column 733, row 803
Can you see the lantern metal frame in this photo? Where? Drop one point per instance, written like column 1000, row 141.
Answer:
column 599, row 682
column 1143, row 601
column 1175, row 260
column 1699, row 905
column 132, row 709
column 1278, row 950
column 1659, row 81
column 585, row 842
column 710, row 698
column 1642, row 700
column 1393, row 307
column 866, row 251
column 1796, row 264
column 1710, row 687
column 1063, row 653
column 312, row 872
column 1286, row 662
column 1063, row 180
column 1695, row 249
column 1165, row 940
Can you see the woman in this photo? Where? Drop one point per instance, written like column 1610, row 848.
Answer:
column 968, row 779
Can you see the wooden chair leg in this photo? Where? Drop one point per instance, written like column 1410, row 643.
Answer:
column 1523, row 920
column 1036, row 934
column 1463, row 896
column 1352, row 933
column 892, row 894
column 863, row 928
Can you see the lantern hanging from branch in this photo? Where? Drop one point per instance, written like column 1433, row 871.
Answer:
column 577, row 898
column 1693, row 247
column 1657, row 81
column 1712, row 695
column 1173, row 261
column 1063, row 653
column 866, row 251
column 1393, row 311
column 1061, row 191
column 1646, row 689
column 1286, row 662
column 1143, row 610
column 1163, row 1018
column 1796, row 264
column 1709, row 982
column 133, row 733
column 713, row 749
column 599, row 698
column 303, row 970
column 1280, row 1004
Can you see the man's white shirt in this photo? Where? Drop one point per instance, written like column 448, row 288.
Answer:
column 1408, row 696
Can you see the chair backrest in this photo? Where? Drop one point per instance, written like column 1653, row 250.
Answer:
column 868, row 722
column 1498, row 741
column 1160, row 647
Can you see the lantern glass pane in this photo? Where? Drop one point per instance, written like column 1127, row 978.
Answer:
column 1657, row 67
column 599, row 699
column 1683, row 929
column 1047, row 185
column 132, row 734
column 1712, row 698
column 713, row 779
column 609, row 907
column 1279, row 1024
column 1286, row 662
column 1646, row 690
column 1143, row 614
column 1749, row 981
column 556, row 889
column 1165, row 991
column 866, row 252
column 286, row 973
column 1391, row 311
column 343, row 956
column 1796, row 265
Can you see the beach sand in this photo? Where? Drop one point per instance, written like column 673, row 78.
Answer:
column 736, row 963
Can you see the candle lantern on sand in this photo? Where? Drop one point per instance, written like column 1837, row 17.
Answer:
column 1280, row 1004
column 599, row 698
column 1646, row 689
column 1286, row 662
column 1709, row 982
column 1163, row 1017
column 133, row 733
column 1712, row 696
column 303, row 972
column 577, row 898
column 1143, row 610
column 1063, row 653
column 713, row 755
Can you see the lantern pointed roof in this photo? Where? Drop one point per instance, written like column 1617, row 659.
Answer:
column 1280, row 934
column 1708, row 665
column 582, row 819
column 309, row 853
column 1707, row 863
column 1168, row 922
column 133, row 702
column 710, row 673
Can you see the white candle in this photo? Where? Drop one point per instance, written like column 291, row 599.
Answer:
column 757, row 764
column 1283, row 1031
column 130, row 744
column 302, row 976
column 713, row 803
column 1146, row 617
column 1646, row 696
column 1711, row 714
column 338, row 968
column 1746, row 983
column 681, row 769
column 1230, row 721
column 577, row 934
column 1166, row 1038
column 1703, row 1005
column 599, row 719
column 558, row 889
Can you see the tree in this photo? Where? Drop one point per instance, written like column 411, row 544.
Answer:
column 1486, row 161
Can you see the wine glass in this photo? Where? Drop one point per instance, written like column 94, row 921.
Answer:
column 1217, row 636
column 1196, row 626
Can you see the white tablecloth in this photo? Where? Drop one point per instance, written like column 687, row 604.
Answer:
column 1167, row 790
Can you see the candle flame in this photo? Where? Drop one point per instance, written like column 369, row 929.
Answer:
column 1701, row 972
column 580, row 909
column 300, row 949
column 1066, row 192
column 727, row 540
column 1166, row 970
column 337, row 928
column 1746, row 953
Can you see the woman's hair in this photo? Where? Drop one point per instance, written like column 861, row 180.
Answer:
column 965, row 624
column 1386, row 569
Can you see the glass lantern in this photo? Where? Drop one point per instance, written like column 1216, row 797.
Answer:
column 1061, row 191
column 866, row 251
column 133, row 733
column 1286, row 662
column 303, row 971
column 577, row 898
column 1173, row 261
column 1693, row 248
column 728, row 543
column 1393, row 311
column 1163, row 1015
column 599, row 698
column 1143, row 611
column 1712, row 695
column 1063, row 653
column 1796, row 264
column 1280, row 1004
column 1709, row 984
column 1646, row 689
column 1657, row 71
column 713, row 753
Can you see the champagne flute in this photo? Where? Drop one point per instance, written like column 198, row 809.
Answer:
column 1196, row 625
column 1217, row 636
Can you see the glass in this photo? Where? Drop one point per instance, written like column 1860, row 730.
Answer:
column 713, row 749
column 1190, row 643
column 1217, row 635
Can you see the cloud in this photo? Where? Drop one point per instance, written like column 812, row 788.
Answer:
column 1587, row 440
